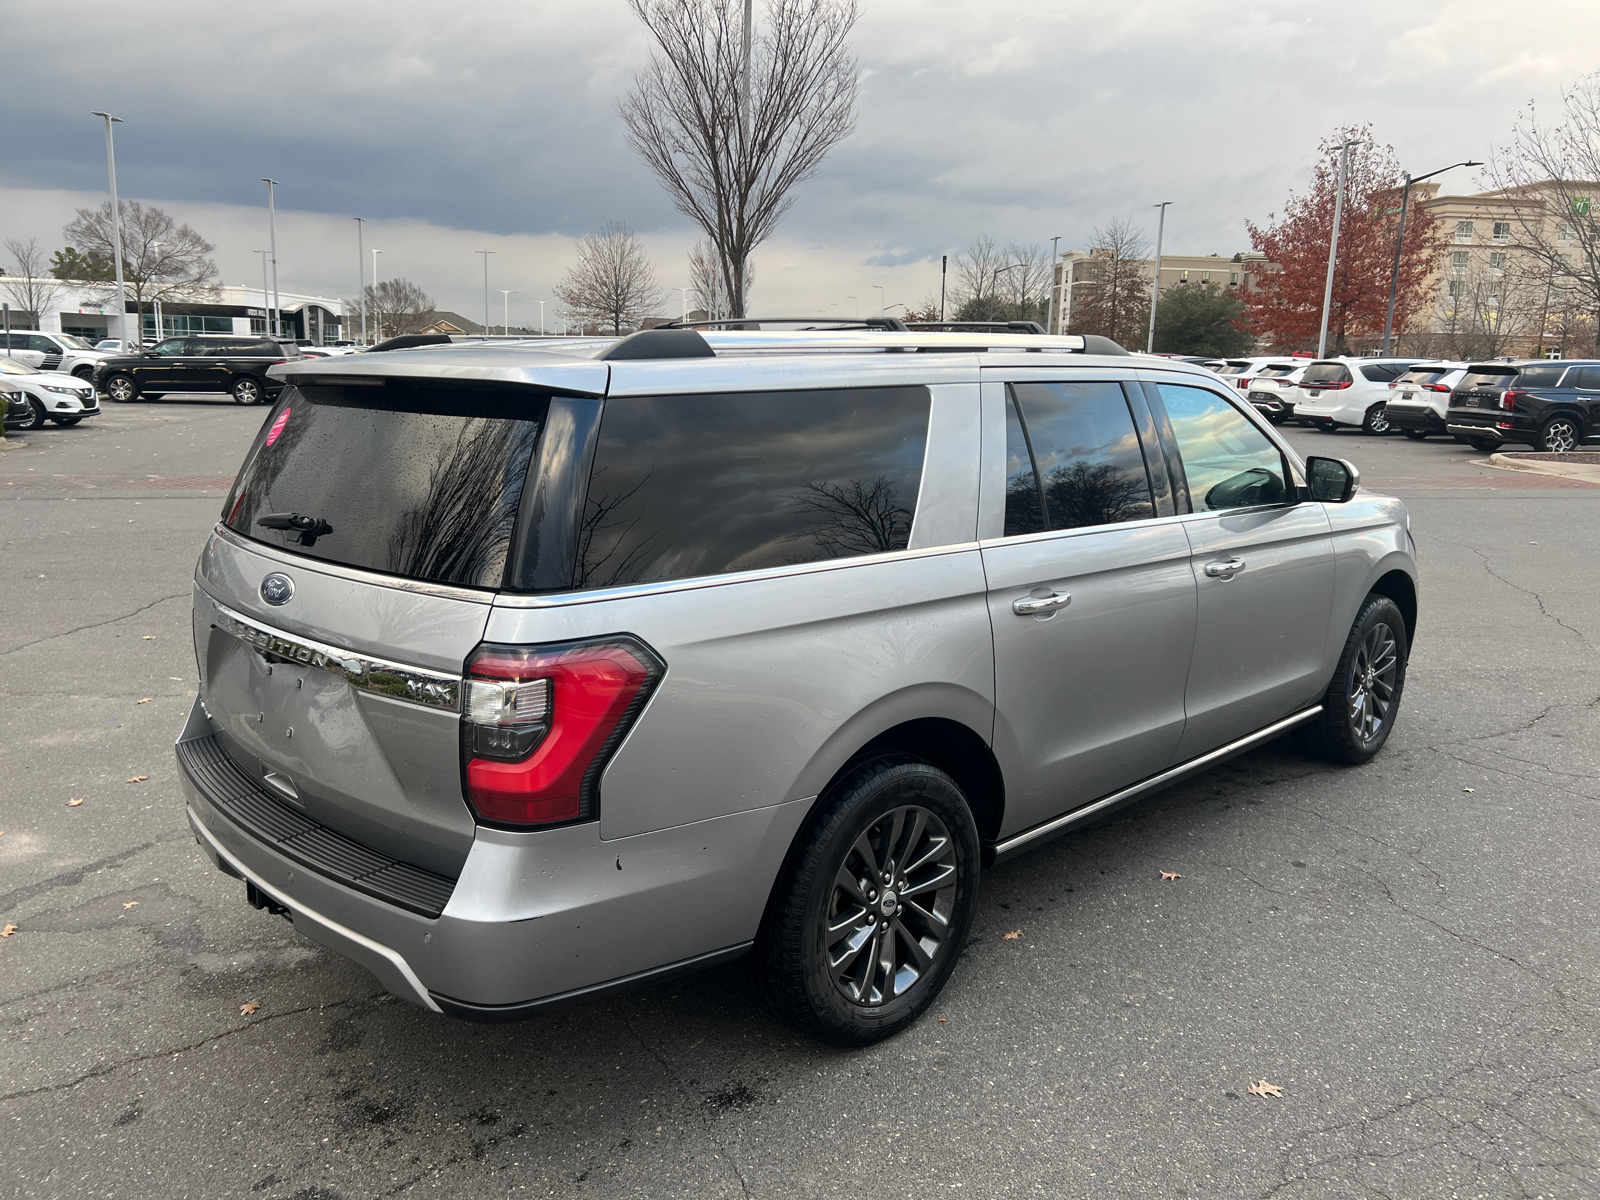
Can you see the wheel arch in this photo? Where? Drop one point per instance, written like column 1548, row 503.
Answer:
column 1402, row 589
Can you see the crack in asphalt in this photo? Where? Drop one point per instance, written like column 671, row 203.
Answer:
column 1538, row 599
column 76, row 876
column 181, row 1050
column 94, row 624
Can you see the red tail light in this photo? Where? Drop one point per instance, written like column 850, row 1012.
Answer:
column 541, row 722
column 1437, row 387
column 1508, row 399
column 1336, row 386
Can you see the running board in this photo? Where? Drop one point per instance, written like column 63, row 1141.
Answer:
column 1029, row 838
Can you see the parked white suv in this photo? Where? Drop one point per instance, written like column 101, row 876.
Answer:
column 1238, row 372
column 1348, row 391
column 1419, row 400
column 49, row 396
column 63, row 352
column 1271, row 389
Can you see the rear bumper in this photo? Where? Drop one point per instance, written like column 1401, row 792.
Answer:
column 535, row 919
column 1425, row 419
column 1270, row 406
column 1479, row 431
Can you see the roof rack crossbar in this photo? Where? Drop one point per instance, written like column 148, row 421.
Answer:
column 890, row 324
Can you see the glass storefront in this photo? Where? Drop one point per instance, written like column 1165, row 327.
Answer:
column 178, row 323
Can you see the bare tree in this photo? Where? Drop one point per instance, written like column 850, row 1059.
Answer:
column 612, row 283
column 29, row 284
column 995, row 284
column 1113, row 298
column 396, row 306
column 1551, row 175
column 977, row 282
column 161, row 260
column 1484, row 309
column 734, row 171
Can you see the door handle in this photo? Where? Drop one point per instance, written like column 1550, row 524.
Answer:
column 1037, row 606
column 1224, row 568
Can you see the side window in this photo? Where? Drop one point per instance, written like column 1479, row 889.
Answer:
column 1588, row 378
column 1228, row 461
column 694, row 485
column 171, row 348
column 197, row 348
column 1381, row 374
column 1087, row 466
column 37, row 341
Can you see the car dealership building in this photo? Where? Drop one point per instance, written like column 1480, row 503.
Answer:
column 89, row 311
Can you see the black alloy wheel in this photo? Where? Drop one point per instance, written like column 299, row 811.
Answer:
column 1363, row 700
column 1416, row 435
column 1376, row 421
column 246, row 391
column 1560, row 435
column 121, row 388
column 875, row 903
column 35, row 418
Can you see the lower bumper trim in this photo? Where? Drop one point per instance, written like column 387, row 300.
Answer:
column 501, row 1013
column 1482, row 431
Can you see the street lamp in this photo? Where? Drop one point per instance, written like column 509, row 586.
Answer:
column 272, row 228
column 155, row 301
column 1155, row 286
column 116, row 230
column 541, row 303
column 505, row 311
column 266, row 296
column 882, row 296
column 1333, row 245
column 485, row 254
column 377, row 305
column 1055, row 288
column 858, row 306
column 361, row 278
column 1400, row 238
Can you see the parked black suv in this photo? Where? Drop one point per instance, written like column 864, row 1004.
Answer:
column 198, row 363
column 1552, row 406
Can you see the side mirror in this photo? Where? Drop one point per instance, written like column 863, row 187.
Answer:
column 1331, row 480
column 150, row 354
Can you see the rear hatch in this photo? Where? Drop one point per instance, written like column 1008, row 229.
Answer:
column 1476, row 399
column 1422, row 387
column 350, row 578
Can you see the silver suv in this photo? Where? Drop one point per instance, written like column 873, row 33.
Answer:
column 533, row 670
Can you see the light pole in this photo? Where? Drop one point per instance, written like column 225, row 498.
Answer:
column 155, row 301
column 541, row 303
column 485, row 254
column 1155, row 286
column 1400, row 239
column 377, row 306
column 858, row 306
column 116, row 229
column 882, row 296
column 272, row 230
column 1333, row 246
column 266, row 296
column 1055, row 288
column 361, row 278
column 505, row 309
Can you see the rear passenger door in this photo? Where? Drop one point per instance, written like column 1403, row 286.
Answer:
column 1091, row 598
column 1263, row 565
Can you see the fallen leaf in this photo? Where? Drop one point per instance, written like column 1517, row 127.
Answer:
column 75, row 803
column 146, row 700
column 8, row 931
column 248, row 1007
column 1013, row 935
column 1170, row 875
column 149, row 637
column 1263, row 1088
column 130, row 904
column 1469, row 789
column 941, row 1020
column 138, row 779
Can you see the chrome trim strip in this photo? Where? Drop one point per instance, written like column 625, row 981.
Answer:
column 400, row 965
column 355, row 574
column 562, row 599
column 398, row 681
column 1061, row 824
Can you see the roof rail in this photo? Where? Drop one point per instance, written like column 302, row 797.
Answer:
column 988, row 326
column 890, row 324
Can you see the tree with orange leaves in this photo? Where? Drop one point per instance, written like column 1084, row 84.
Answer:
column 1286, row 306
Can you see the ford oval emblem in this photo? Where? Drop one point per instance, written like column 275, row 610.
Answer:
column 277, row 589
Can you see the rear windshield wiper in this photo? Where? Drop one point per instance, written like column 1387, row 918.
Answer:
column 309, row 528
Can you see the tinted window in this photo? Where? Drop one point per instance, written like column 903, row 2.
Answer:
column 1324, row 373
column 416, row 481
column 1228, row 461
column 1382, row 373
column 1422, row 375
column 1277, row 372
column 1085, row 458
column 1484, row 378
column 705, row 484
column 1233, row 368
column 171, row 348
column 1543, row 377
column 37, row 341
column 1587, row 378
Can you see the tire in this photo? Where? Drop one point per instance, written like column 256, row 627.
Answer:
column 1490, row 445
column 1560, row 435
column 246, row 390
column 34, row 420
column 1325, row 425
column 822, row 955
column 1376, row 422
column 1416, row 435
column 1276, row 418
column 1361, row 704
column 69, row 422
column 122, row 388
column 84, row 373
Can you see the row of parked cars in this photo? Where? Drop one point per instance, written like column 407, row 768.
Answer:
column 1552, row 406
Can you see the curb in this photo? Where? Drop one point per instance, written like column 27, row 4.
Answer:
column 1532, row 464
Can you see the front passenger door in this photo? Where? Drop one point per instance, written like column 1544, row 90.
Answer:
column 1263, row 566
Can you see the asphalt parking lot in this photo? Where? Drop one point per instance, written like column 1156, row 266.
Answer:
column 1407, row 950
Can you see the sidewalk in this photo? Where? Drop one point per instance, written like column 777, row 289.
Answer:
column 1577, row 464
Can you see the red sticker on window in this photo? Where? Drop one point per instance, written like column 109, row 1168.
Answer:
column 277, row 426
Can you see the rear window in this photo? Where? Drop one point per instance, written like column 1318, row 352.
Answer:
column 1424, row 375
column 1324, row 373
column 1482, row 378
column 419, row 481
column 1232, row 368
column 707, row 484
column 1277, row 372
column 1540, row 377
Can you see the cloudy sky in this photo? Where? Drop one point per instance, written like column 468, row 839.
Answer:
column 492, row 125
